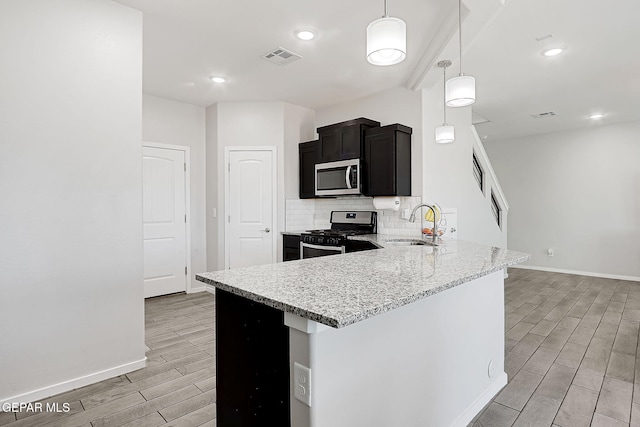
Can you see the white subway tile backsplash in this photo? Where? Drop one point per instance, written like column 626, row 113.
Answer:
column 306, row 214
column 299, row 214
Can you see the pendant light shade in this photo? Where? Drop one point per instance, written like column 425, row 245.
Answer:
column 386, row 40
column 460, row 91
column 445, row 134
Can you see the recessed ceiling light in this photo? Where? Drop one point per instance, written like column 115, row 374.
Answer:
column 306, row 34
column 553, row 51
column 218, row 79
column 596, row 116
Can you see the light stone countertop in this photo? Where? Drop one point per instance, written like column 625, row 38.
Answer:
column 340, row 290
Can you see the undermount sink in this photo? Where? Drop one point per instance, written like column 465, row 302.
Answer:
column 409, row 242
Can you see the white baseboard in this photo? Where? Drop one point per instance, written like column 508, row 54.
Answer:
column 470, row 413
column 198, row 289
column 52, row 390
column 580, row 273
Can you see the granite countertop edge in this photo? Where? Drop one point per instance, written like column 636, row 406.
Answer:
column 329, row 321
column 418, row 296
column 349, row 319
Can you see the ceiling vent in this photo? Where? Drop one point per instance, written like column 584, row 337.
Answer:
column 544, row 115
column 281, row 56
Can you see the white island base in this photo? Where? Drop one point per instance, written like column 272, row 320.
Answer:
column 433, row 363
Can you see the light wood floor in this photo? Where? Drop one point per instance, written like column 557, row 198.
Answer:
column 571, row 353
column 177, row 388
column 571, row 358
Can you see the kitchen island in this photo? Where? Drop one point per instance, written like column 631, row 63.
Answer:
column 400, row 336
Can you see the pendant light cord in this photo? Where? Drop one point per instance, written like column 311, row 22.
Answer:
column 459, row 31
column 385, row 9
column 444, row 94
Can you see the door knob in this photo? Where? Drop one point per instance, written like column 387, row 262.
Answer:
column 267, row 229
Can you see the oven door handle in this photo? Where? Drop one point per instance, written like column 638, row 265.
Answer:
column 348, row 177
column 335, row 248
column 342, row 249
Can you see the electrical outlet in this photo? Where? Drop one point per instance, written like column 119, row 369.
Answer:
column 214, row 212
column 405, row 214
column 550, row 252
column 302, row 383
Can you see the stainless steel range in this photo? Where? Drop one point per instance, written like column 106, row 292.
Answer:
column 315, row 243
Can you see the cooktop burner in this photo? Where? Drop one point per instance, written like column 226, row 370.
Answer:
column 343, row 224
column 338, row 233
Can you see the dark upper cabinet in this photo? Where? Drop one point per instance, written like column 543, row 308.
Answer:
column 386, row 165
column 290, row 247
column 309, row 155
column 342, row 141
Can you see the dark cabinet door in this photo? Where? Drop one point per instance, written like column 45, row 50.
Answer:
column 387, row 161
column 351, row 139
column 330, row 147
column 342, row 141
column 341, row 144
column 309, row 156
column 379, row 168
column 290, row 247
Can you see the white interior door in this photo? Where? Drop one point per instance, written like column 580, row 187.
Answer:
column 250, row 204
column 164, row 213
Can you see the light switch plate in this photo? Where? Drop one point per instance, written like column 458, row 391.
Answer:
column 302, row 383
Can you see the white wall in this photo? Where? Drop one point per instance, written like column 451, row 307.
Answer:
column 299, row 126
column 422, row 364
column 170, row 122
column 448, row 177
column 71, row 264
column 215, row 253
column 235, row 124
column 397, row 105
column 577, row 192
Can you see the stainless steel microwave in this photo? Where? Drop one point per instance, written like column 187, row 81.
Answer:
column 338, row 178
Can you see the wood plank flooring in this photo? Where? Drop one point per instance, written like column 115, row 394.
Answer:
column 571, row 357
column 571, row 353
column 177, row 388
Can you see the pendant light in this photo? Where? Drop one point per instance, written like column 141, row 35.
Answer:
column 386, row 40
column 461, row 90
column 445, row 133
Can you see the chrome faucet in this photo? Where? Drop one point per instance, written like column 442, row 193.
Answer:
column 412, row 218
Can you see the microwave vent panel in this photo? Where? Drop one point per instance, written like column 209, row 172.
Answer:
column 281, row 56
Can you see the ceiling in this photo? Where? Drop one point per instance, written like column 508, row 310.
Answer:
column 598, row 72
column 186, row 42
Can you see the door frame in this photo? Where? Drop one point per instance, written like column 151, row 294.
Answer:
column 187, row 201
column 274, row 198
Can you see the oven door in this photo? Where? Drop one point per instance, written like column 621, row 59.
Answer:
column 338, row 178
column 308, row 250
